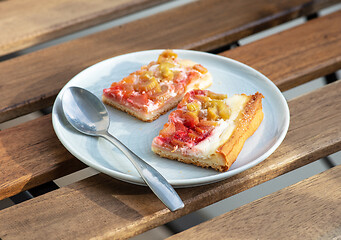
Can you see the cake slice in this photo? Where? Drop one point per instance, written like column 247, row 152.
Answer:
column 157, row 87
column 208, row 129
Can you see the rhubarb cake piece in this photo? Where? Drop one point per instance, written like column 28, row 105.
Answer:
column 157, row 87
column 208, row 129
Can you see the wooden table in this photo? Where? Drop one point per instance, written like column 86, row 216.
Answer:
column 31, row 155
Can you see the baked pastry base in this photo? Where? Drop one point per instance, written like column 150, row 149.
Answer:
column 146, row 117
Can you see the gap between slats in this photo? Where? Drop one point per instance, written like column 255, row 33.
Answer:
column 27, row 23
column 309, row 208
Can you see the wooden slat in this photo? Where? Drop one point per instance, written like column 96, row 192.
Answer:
column 104, row 207
column 24, row 23
column 310, row 209
column 31, row 82
column 257, row 47
column 298, row 55
column 30, row 155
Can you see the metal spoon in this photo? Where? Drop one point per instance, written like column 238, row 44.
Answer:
column 87, row 114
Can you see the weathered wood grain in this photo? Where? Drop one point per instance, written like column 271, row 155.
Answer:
column 106, row 208
column 309, row 209
column 31, row 82
column 24, row 23
column 30, row 156
column 298, row 55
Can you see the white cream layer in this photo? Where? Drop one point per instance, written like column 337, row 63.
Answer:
column 222, row 132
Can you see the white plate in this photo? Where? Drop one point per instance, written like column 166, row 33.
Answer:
column 229, row 77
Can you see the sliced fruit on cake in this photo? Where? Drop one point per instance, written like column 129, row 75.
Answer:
column 157, row 87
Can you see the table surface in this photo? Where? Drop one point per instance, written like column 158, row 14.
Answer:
column 31, row 155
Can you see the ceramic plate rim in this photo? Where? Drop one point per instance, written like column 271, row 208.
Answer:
column 180, row 182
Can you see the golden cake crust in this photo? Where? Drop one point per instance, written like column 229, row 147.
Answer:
column 246, row 124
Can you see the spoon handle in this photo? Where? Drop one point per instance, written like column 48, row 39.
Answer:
column 157, row 183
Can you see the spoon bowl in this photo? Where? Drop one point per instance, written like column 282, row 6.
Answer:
column 86, row 113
